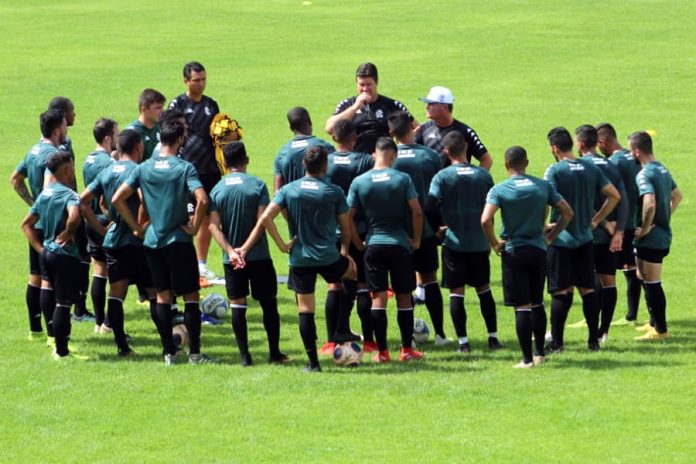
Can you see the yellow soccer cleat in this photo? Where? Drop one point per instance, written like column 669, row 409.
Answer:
column 578, row 325
column 645, row 327
column 652, row 336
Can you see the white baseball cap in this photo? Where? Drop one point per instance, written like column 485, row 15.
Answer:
column 439, row 95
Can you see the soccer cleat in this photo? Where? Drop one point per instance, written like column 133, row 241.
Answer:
column 652, row 336
column 593, row 346
column 645, row 327
column 311, row 369
column 603, row 339
column 204, row 283
column 552, row 347
column 206, row 273
column 86, row 317
column 51, row 342
column 207, row 320
column 200, row 358
column 346, row 337
column 382, row 357
column 278, row 358
column 246, row 360
column 442, row 341
column 494, row 343
column 537, row 360
column 370, row 347
column 624, row 322
column 68, row 357
column 105, row 329
column 126, row 352
column 169, row 359
column 578, row 325
column 464, row 348
column 548, row 338
column 34, row 336
column 327, row 349
column 409, row 354
column 523, row 365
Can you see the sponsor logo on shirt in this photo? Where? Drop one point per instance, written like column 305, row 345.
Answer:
column 523, row 183
column 309, row 185
column 407, row 153
column 341, row 160
column 380, row 177
column 465, row 171
column 299, row 144
column 162, row 164
column 234, row 181
column 576, row 167
column 90, row 159
column 47, row 192
column 119, row 168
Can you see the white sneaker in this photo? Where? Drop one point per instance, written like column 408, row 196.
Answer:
column 523, row 365
column 538, row 360
column 603, row 339
column 442, row 341
column 548, row 338
column 206, row 273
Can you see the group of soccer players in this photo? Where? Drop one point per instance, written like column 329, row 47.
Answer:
column 367, row 216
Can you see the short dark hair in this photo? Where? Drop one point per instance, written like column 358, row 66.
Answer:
column 604, row 129
column 57, row 159
column 586, row 134
column 170, row 131
column 315, row 158
column 171, row 115
column 516, row 157
column 367, row 70
column 642, row 141
column 128, row 140
column 299, row 119
column 385, row 143
column 49, row 121
column 399, row 123
column 102, row 128
column 63, row 104
column 150, row 96
column 193, row 66
column 235, row 154
column 344, row 130
column 455, row 143
column 560, row 138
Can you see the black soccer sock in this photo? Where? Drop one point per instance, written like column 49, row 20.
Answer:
column 458, row 313
column 271, row 322
column 114, row 308
column 308, row 332
column 560, row 305
column 590, row 308
column 658, row 304
column 364, row 306
column 651, row 320
column 192, row 319
column 239, row 326
column 633, row 287
column 164, row 327
column 539, row 328
column 379, row 324
column 404, row 316
column 332, row 308
column 608, row 298
column 348, row 290
column 83, row 283
column 523, row 327
column 433, row 302
column 61, row 328
column 98, row 294
column 47, row 300
column 33, row 298
column 488, row 310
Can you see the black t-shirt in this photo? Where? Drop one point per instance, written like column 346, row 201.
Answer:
column 199, row 149
column 371, row 120
column 431, row 136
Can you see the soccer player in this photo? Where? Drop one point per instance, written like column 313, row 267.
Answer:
column 236, row 203
column 151, row 104
column 199, row 111
column 53, row 129
column 57, row 207
column 106, row 135
column 389, row 202
column 522, row 200
column 570, row 256
column 368, row 110
column 460, row 192
column 287, row 166
column 439, row 106
column 314, row 209
column 628, row 168
column 125, row 257
column 421, row 164
column 659, row 199
column 68, row 108
column 166, row 182
column 607, row 238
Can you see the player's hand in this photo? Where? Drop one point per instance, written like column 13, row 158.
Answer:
column 549, row 227
column 64, row 238
column 362, row 99
column 499, row 247
column 616, row 243
column 237, row 257
column 593, row 224
column 642, row 232
column 359, row 245
column 440, row 234
column 610, row 227
column 415, row 244
column 286, row 247
column 189, row 229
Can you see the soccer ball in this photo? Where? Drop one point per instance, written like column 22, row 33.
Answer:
column 348, row 354
column 214, row 305
column 180, row 335
column 421, row 332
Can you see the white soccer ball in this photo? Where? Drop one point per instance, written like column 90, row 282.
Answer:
column 214, row 305
column 347, row 354
column 421, row 332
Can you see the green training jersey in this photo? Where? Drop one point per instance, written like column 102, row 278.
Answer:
column 313, row 206
column 237, row 198
column 579, row 182
column 383, row 195
column 611, row 172
column 51, row 207
column 109, row 180
column 150, row 137
column 288, row 161
column 629, row 169
column 461, row 190
column 654, row 178
column 421, row 164
column 94, row 164
column 343, row 168
column 522, row 201
column 33, row 166
column 166, row 183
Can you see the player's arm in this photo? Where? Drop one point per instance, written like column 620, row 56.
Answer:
column 265, row 222
column 85, row 208
column 616, row 243
column 612, row 199
column 489, row 211
column 348, row 113
column 30, row 231
column 19, row 186
column 486, row 161
column 216, row 231
column 433, row 214
column 417, row 222
column 199, row 213
column 278, row 182
column 566, row 214
column 123, row 193
column 647, row 215
column 71, row 224
column 344, row 223
column 674, row 199
column 355, row 237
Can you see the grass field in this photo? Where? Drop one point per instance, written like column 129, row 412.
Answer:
column 517, row 68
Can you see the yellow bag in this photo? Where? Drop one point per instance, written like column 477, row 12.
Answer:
column 224, row 130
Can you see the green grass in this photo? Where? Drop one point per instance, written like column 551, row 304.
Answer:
column 516, row 68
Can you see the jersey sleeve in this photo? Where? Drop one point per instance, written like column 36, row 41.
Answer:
column 549, row 176
column 279, row 198
column 344, row 105
column 263, row 195
column 341, row 203
column 96, row 187
column 22, row 168
column 493, row 198
column 603, row 180
column 553, row 196
column 73, row 200
column 133, row 179
column 353, row 200
column 434, row 190
column 410, row 189
column 193, row 182
column 475, row 145
column 277, row 162
column 401, row 107
column 645, row 185
column 212, row 201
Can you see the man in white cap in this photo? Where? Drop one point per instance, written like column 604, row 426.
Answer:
column 439, row 105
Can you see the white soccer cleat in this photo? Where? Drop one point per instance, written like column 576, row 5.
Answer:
column 442, row 341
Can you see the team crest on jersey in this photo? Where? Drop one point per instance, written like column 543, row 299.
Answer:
column 162, row 164
column 207, row 111
column 380, row 177
column 379, row 114
column 309, row 185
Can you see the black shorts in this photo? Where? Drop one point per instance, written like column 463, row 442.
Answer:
column 389, row 262
column 261, row 275
column 604, row 260
column 304, row 279
column 94, row 244
column 35, row 261
column 425, row 257
column 625, row 257
column 128, row 263
column 61, row 271
column 209, row 180
column 651, row 255
column 568, row 267
column 524, row 272
column 174, row 267
column 359, row 258
column 462, row 268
